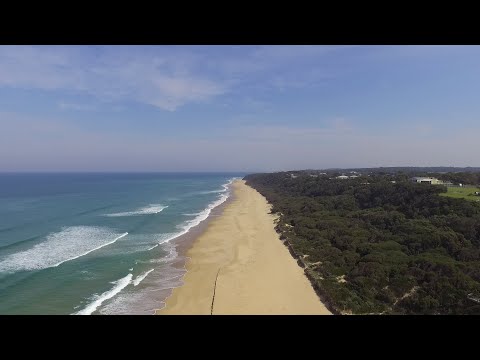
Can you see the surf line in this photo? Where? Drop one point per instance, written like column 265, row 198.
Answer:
column 214, row 289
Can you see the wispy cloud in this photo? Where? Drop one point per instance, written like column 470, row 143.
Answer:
column 341, row 124
column 336, row 127
column 163, row 76
column 77, row 107
column 109, row 73
column 276, row 67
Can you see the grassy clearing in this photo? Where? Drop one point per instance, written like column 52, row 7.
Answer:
column 467, row 193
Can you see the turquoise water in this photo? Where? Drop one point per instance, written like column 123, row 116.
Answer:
column 97, row 243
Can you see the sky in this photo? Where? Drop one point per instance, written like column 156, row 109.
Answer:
column 237, row 108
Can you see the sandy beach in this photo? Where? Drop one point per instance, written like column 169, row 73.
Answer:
column 240, row 263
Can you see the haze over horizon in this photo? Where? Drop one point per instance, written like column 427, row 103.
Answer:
column 237, row 108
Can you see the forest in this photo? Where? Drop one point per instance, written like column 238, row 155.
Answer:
column 378, row 243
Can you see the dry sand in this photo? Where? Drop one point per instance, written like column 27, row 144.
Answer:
column 256, row 273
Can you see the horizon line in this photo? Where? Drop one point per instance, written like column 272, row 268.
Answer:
column 216, row 171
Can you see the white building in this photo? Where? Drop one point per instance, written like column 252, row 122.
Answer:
column 426, row 180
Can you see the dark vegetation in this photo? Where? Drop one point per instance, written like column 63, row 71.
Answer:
column 411, row 170
column 373, row 246
column 461, row 178
column 467, row 175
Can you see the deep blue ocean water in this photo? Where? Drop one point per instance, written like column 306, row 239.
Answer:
column 97, row 243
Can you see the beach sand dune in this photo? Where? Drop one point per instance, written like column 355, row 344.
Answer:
column 240, row 263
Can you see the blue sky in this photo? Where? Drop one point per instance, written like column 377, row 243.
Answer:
column 237, row 108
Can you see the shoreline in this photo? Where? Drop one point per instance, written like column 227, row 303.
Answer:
column 184, row 242
column 236, row 264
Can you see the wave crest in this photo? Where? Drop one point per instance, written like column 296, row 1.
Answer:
column 119, row 286
column 147, row 210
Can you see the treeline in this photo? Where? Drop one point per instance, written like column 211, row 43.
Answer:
column 459, row 176
column 379, row 243
column 411, row 170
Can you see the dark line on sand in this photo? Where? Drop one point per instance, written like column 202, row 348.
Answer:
column 214, row 289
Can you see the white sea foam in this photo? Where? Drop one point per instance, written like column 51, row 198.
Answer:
column 68, row 244
column 119, row 286
column 187, row 225
column 144, row 301
column 212, row 192
column 128, row 303
column 89, row 251
column 147, row 210
column 140, row 278
column 224, row 186
column 172, row 254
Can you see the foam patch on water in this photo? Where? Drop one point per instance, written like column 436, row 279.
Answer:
column 172, row 254
column 69, row 244
column 140, row 278
column 147, row 210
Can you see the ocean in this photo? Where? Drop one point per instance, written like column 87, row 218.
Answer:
column 98, row 243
